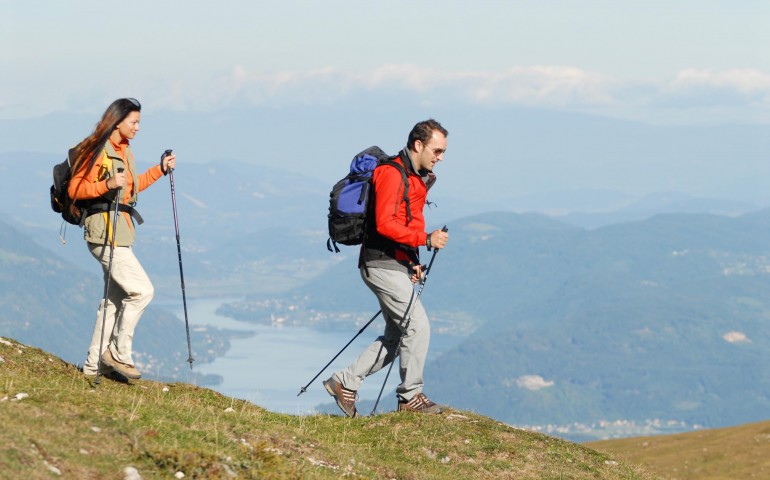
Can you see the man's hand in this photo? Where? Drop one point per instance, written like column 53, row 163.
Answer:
column 438, row 239
column 418, row 272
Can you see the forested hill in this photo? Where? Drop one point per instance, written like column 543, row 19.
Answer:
column 658, row 325
column 664, row 320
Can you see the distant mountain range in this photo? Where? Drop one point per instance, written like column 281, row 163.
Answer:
column 663, row 319
column 636, row 328
column 642, row 321
column 268, row 224
column 496, row 156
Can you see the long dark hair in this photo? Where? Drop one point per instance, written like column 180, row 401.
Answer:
column 88, row 150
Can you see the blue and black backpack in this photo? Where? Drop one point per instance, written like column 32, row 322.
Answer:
column 350, row 199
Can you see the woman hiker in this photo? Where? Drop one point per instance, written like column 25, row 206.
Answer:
column 103, row 167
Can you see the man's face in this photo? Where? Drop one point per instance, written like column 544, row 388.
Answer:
column 430, row 153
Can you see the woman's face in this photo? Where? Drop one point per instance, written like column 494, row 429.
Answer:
column 128, row 127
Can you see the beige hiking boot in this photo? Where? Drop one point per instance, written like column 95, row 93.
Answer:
column 128, row 371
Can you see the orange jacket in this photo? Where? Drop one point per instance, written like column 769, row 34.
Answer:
column 92, row 184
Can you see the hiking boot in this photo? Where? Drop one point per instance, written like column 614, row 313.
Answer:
column 346, row 399
column 108, row 373
column 92, row 373
column 128, row 371
column 419, row 404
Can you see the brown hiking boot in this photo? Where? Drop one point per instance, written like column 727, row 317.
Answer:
column 346, row 399
column 128, row 371
column 419, row 404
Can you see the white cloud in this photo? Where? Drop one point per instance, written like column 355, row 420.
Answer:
column 533, row 382
column 736, row 337
column 743, row 81
column 543, row 85
column 688, row 96
column 554, row 86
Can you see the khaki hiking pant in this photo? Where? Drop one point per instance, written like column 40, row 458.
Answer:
column 130, row 293
column 394, row 291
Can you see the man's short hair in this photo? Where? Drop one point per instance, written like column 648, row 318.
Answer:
column 423, row 132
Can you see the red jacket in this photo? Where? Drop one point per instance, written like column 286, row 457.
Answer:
column 397, row 237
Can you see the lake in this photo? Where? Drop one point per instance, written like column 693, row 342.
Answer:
column 270, row 367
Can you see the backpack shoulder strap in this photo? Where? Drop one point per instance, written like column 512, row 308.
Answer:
column 405, row 178
column 128, row 163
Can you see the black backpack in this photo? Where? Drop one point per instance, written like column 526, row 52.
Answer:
column 349, row 200
column 61, row 202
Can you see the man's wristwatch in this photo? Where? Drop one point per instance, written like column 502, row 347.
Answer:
column 427, row 242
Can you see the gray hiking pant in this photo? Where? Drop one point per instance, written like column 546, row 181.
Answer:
column 394, row 291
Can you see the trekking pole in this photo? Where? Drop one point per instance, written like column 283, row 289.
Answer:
column 97, row 381
column 408, row 319
column 190, row 358
column 304, row 389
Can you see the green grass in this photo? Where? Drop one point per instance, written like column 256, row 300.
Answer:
column 69, row 426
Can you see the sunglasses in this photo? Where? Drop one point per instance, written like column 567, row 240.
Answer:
column 436, row 151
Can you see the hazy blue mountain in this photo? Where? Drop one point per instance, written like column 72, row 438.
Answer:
column 264, row 226
column 597, row 208
column 247, row 228
column 662, row 319
column 495, row 154
column 636, row 209
column 653, row 321
column 47, row 302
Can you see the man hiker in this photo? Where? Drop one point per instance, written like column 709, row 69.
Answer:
column 389, row 265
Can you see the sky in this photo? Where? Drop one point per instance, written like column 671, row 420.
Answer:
column 660, row 62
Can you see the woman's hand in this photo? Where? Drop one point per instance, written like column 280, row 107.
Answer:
column 116, row 182
column 167, row 162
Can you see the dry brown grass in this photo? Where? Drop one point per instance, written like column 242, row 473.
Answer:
column 741, row 452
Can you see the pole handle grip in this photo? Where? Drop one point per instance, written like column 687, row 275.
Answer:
column 117, row 195
column 166, row 154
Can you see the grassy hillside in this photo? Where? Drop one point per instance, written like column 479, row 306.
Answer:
column 725, row 453
column 55, row 423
